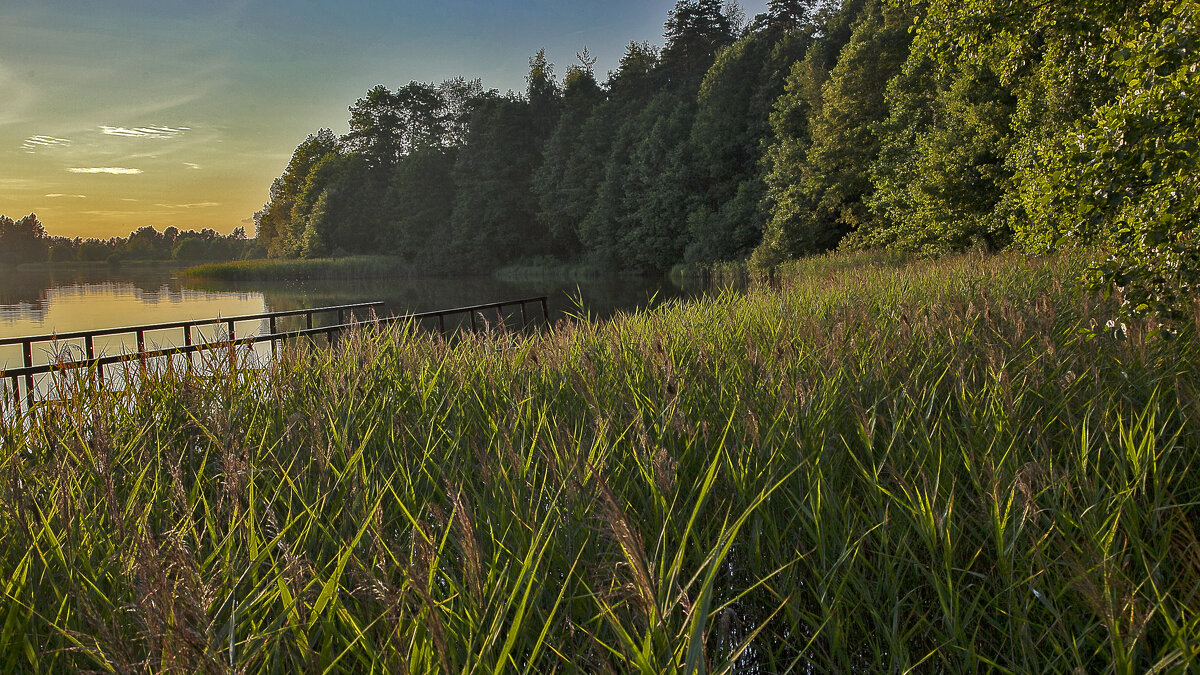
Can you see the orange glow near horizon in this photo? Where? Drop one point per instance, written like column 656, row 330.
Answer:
column 116, row 115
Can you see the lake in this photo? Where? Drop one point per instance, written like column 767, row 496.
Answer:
column 71, row 299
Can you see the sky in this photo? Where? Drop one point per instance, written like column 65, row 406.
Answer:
column 115, row 114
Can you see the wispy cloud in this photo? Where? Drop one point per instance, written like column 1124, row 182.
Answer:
column 190, row 165
column 197, row 205
column 145, row 132
column 115, row 170
column 34, row 143
column 56, row 195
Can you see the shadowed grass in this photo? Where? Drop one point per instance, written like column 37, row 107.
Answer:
column 937, row 466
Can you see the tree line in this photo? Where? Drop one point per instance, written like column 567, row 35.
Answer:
column 26, row 241
column 926, row 126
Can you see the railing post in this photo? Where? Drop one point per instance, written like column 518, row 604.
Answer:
column 473, row 329
column 187, row 342
column 524, row 319
column 141, row 348
column 27, row 353
column 442, row 323
column 271, row 328
column 545, row 310
column 232, row 348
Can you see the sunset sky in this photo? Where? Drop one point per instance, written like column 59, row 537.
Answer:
column 116, row 114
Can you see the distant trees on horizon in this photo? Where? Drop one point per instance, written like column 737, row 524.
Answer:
column 26, row 240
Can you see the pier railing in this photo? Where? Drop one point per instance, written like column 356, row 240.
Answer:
column 60, row 344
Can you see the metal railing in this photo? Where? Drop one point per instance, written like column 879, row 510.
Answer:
column 90, row 359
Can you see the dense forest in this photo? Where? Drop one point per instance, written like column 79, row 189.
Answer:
column 920, row 125
column 26, row 241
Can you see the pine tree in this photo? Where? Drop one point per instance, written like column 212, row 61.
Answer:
column 731, row 128
column 572, row 162
column 694, row 32
column 835, row 177
column 494, row 220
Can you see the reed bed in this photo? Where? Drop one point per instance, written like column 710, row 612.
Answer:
column 949, row 466
column 279, row 269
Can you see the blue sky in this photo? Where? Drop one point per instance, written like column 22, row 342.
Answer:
column 119, row 113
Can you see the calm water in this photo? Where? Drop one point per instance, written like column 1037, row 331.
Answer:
column 45, row 302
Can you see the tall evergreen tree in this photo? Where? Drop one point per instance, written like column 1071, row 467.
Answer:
column 844, row 139
column 790, row 15
column 572, row 162
column 695, row 31
column 638, row 222
column 634, row 77
column 494, row 220
column 23, row 240
column 543, row 94
column 792, row 228
column 731, row 128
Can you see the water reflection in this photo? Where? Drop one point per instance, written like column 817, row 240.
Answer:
column 601, row 297
column 64, row 300
column 67, row 300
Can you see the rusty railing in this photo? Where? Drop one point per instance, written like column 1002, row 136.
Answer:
column 60, row 343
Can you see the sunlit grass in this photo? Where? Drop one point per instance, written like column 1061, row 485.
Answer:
column 941, row 466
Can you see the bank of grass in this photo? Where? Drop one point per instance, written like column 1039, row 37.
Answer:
column 291, row 269
column 944, row 467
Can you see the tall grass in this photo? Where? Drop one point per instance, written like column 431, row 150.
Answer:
column 354, row 267
column 943, row 466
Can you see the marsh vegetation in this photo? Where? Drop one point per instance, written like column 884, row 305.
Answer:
column 870, row 465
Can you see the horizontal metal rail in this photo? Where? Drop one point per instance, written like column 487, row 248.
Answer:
column 75, row 335
column 232, row 343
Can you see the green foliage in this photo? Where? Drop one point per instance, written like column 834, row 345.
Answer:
column 1104, row 130
column 941, row 180
column 26, row 241
column 695, row 31
column 731, row 128
column 494, row 219
column 23, row 240
column 1128, row 174
column 796, row 223
column 874, row 466
column 386, row 125
column 922, row 126
column 421, row 198
column 276, row 226
column 543, row 95
column 844, row 134
column 639, row 221
column 572, row 161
